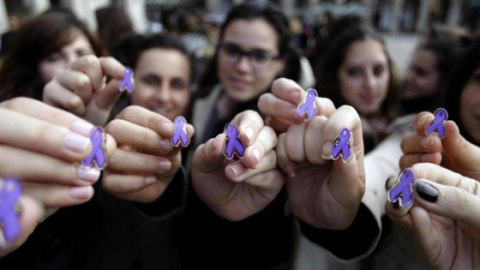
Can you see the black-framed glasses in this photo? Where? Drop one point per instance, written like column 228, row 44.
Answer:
column 259, row 59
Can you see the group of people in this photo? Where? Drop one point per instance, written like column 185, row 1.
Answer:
column 160, row 206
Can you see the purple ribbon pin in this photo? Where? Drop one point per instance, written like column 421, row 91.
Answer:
column 403, row 190
column 126, row 83
column 98, row 155
column 308, row 106
column 233, row 144
column 9, row 217
column 342, row 146
column 180, row 134
column 438, row 124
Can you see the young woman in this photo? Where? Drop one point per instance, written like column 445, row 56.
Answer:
column 42, row 47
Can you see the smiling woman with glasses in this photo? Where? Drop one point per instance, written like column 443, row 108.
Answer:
column 254, row 49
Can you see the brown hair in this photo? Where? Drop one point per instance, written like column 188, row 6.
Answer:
column 39, row 38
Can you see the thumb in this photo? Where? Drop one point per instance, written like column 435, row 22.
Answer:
column 457, row 147
column 209, row 156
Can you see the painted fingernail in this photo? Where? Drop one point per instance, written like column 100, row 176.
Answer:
column 80, row 193
column 76, row 143
column 88, row 174
column 327, row 151
column 395, row 205
column 249, row 134
column 150, row 180
column 237, row 169
column 426, row 191
column 164, row 166
column 82, row 127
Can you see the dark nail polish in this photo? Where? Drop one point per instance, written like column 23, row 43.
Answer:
column 395, row 205
column 426, row 191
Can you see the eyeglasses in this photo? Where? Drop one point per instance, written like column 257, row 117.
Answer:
column 259, row 59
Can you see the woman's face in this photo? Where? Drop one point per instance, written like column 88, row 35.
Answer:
column 470, row 106
column 364, row 76
column 162, row 82
column 57, row 61
column 422, row 77
column 245, row 77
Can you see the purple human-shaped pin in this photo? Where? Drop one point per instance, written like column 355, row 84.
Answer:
column 308, row 106
column 180, row 134
column 402, row 191
column 438, row 124
column 9, row 216
column 126, row 83
column 341, row 146
column 98, row 155
column 233, row 144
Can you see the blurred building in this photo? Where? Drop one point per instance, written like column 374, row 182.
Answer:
column 386, row 15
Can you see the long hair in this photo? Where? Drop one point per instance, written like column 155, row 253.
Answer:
column 251, row 11
column 328, row 68
column 113, row 25
column 461, row 74
column 39, row 38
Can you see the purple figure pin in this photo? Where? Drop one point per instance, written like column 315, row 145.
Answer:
column 126, row 83
column 402, row 191
column 180, row 134
column 308, row 106
column 341, row 146
column 98, row 155
column 438, row 124
column 233, row 144
column 9, row 215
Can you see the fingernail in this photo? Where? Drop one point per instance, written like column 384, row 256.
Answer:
column 3, row 241
column 167, row 127
column 166, row 146
column 256, row 154
column 426, row 191
column 289, row 170
column 76, row 143
column 237, row 169
column 82, row 127
column 88, row 174
column 327, row 151
column 388, row 181
column 164, row 166
column 80, row 193
column 249, row 134
column 150, row 180
column 395, row 205
column 427, row 142
column 423, row 120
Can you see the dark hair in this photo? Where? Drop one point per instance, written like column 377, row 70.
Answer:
column 461, row 74
column 328, row 67
column 128, row 50
column 113, row 25
column 251, row 11
column 40, row 37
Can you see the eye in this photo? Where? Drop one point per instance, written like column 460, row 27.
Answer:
column 179, row 84
column 260, row 56
column 54, row 57
column 83, row 52
column 378, row 70
column 151, row 80
column 231, row 49
column 353, row 71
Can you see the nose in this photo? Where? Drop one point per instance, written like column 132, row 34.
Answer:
column 370, row 81
column 163, row 93
column 243, row 63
